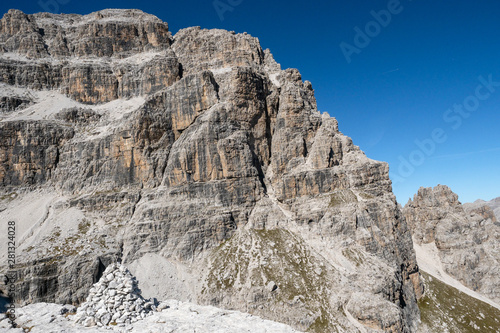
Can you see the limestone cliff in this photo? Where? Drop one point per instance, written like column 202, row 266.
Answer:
column 482, row 206
column 467, row 238
column 198, row 162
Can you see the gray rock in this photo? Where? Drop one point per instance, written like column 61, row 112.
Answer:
column 480, row 207
column 162, row 306
column 89, row 36
column 12, row 103
column 89, row 321
column 224, row 149
column 68, row 309
column 106, row 318
column 115, row 316
column 106, row 310
column 271, row 286
column 113, row 285
column 466, row 236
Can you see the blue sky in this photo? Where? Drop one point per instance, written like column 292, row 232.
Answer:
column 408, row 84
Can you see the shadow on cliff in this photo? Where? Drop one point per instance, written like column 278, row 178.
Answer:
column 3, row 303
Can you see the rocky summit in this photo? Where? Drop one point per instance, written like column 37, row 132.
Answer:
column 465, row 239
column 480, row 205
column 208, row 171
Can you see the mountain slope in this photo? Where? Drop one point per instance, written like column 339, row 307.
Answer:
column 466, row 242
column 446, row 309
column 494, row 204
column 190, row 155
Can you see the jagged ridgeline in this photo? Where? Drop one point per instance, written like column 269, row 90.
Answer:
column 202, row 165
column 464, row 238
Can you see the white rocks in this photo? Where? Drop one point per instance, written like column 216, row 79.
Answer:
column 89, row 321
column 115, row 299
column 180, row 317
column 162, row 306
column 106, row 318
column 271, row 286
column 113, row 285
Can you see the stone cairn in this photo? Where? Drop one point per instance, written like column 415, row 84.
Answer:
column 114, row 300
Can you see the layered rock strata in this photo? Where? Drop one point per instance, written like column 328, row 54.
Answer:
column 199, row 149
column 479, row 206
column 467, row 239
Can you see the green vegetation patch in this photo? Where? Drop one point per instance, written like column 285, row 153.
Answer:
column 55, row 235
column 9, row 197
column 354, row 256
column 446, row 309
column 255, row 258
column 84, row 226
column 366, row 196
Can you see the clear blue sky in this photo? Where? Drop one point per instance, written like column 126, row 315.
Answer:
column 395, row 90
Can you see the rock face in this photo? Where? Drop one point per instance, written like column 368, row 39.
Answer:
column 11, row 103
column 466, row 237
column 39, row 52
column 480, row 207
column 199, row 149
column 33, row 159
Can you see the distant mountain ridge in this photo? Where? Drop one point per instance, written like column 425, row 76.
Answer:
column 494, row 204
column 466, row 238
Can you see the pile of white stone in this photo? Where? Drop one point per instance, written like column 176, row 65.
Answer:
column 114, row 300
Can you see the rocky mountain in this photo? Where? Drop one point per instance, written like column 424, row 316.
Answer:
column 479, row 204
column 115, row 302
column 201, row 165
column 463, row 239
